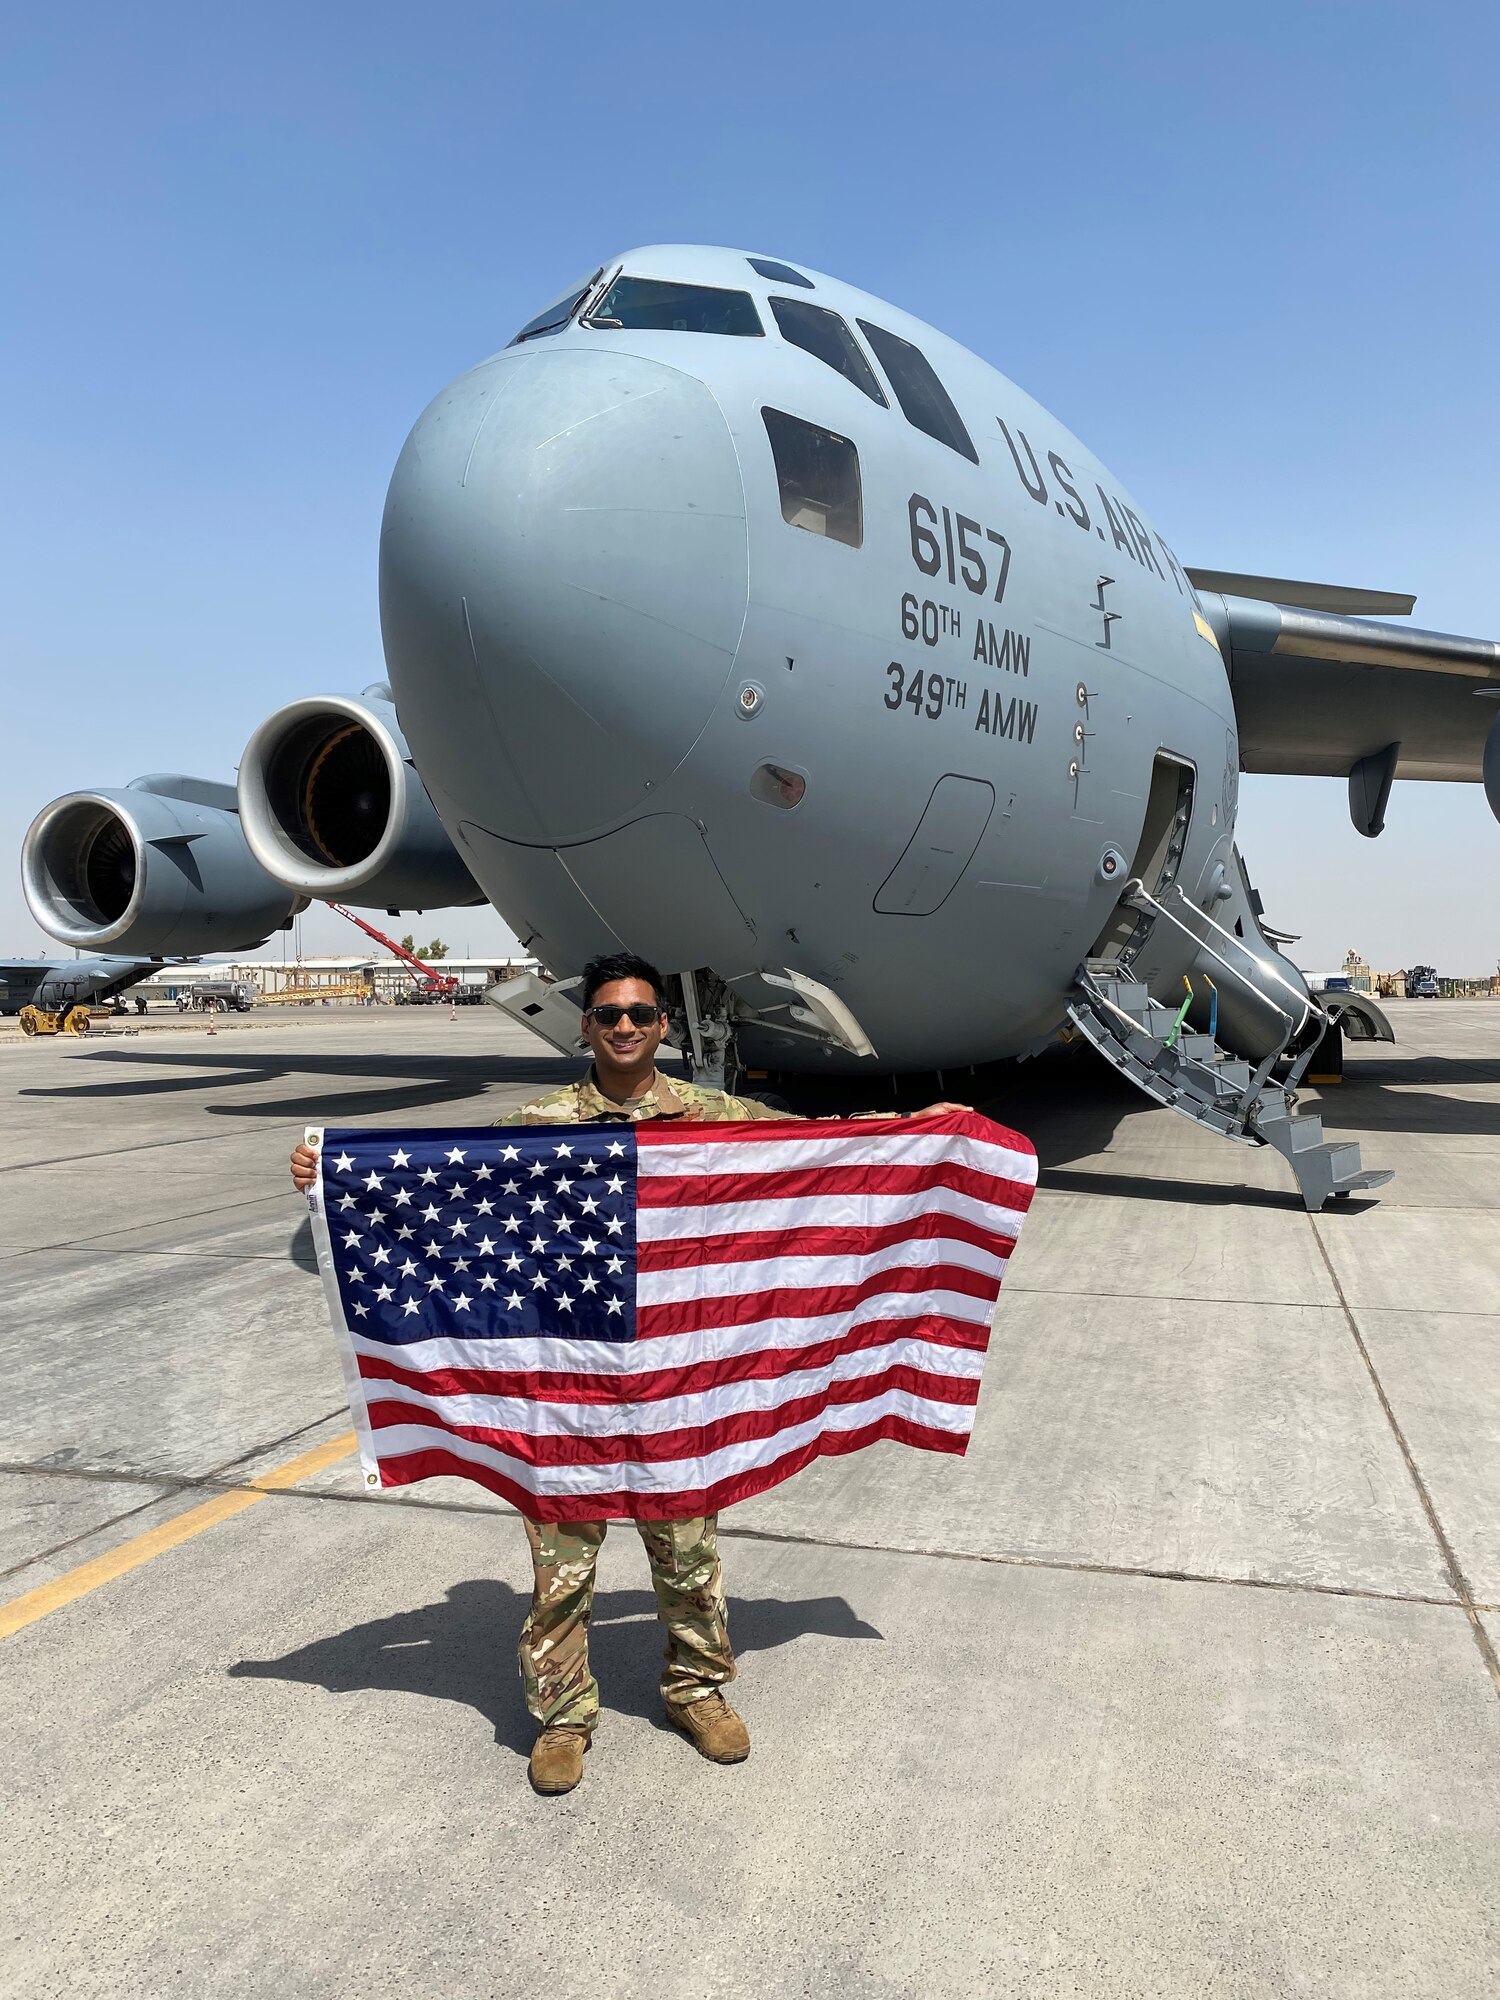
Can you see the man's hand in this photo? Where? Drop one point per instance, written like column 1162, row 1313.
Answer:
column 304, row 1167
column 927, row 1111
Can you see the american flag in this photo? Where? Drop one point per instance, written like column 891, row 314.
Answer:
column 656, row 1320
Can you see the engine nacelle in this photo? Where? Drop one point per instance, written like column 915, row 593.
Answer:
column 158, row 868
column 332, row 805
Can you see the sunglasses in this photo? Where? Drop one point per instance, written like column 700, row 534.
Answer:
column 641, row 1013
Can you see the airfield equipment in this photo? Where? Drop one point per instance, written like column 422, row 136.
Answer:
column 733, row 615
column 432, row 985
column 1422, row 983
column 66, row 1020
column 217, row 996
column 306, row 994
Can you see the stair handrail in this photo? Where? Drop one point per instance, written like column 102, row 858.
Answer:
column 1135, row 891
column 1302, row 999
column 1084, row 978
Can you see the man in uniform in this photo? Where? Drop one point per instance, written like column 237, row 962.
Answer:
column 623, row 1024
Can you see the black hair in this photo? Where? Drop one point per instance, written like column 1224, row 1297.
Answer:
column 613, row 965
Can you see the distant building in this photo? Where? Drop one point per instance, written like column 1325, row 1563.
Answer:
column 341, row 978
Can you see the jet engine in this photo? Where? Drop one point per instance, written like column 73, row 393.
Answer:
column 159, row 868
column 332, row 805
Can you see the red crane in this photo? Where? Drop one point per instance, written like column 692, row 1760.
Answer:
column 438, row 985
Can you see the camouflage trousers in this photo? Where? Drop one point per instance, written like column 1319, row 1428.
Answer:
column 684, row 1559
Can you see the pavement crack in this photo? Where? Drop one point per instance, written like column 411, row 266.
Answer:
column 275, row 1443
column 218, row 1482
column 171, row 1221
column 85, row 1534
column 114, row 1152
column 1458, row 1582
column 215, row 1480
column 1143, row 1571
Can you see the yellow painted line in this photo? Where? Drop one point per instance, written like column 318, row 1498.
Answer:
column 67, row 1589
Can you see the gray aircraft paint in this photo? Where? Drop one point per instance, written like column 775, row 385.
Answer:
column 596, row 617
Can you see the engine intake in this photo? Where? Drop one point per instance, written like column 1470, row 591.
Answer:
column 332, row 806
column 159, row 868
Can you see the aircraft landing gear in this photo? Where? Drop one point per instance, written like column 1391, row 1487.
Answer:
column 709, row 1031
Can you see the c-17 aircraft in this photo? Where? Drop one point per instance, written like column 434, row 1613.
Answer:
column 735, row 616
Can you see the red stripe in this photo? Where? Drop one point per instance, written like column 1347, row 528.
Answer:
column 673, row 1316
column 691, row 1132
column 678, row 1253
column 689, row 1440
column 688, row 1504
column 810, row 1183
column 542, row 1386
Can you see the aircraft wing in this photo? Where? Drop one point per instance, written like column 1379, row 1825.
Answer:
column 1319, row 690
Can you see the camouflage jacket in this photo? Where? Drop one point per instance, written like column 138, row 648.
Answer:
column 584, row 1103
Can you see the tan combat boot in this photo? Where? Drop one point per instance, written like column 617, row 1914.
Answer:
column 557, row 1758
column 712, row 1727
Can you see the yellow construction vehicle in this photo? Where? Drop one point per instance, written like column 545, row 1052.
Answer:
column 68, row 1020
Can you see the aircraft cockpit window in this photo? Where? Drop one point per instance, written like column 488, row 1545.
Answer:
column 779, row 274
column 654, row 305
column 825, row 335
column 922, row 397
column 551, row 319
column 818, row 473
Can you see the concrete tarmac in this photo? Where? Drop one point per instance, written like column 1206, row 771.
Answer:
column 1178, row 1684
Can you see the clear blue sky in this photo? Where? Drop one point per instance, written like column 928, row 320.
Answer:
column 1250, row 254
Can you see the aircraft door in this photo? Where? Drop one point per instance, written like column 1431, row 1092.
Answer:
column 1158, row 853
column 940, row 850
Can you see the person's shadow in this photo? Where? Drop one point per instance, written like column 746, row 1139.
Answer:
column 462, row 1648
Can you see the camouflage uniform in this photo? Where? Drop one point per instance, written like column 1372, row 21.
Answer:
column 684, row 1555
column 584, row 1103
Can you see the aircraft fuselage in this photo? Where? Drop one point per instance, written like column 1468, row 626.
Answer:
column 674, row 683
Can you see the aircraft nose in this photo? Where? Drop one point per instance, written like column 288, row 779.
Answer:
column 563, row 582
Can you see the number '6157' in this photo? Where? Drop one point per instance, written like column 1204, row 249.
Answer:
column 961, row 549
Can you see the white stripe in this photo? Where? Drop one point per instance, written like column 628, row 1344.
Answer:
column 868, row 1143
column 675, row 1350
column 768, row 1274
column 670, row 1413
column 680, row 1474
column 343, row 1341
column 824, row 1211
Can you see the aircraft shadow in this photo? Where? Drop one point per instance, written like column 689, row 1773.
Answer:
column 406, row 1083
column 1372, row 1109
column 461, row 1648
column 1383, row 1094
column 1067, row 1102
column 1073, row 1109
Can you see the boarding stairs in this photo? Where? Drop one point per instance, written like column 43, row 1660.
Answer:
column 1193, row 1075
